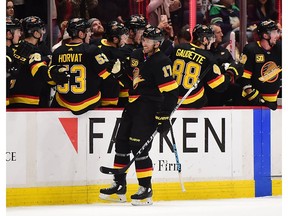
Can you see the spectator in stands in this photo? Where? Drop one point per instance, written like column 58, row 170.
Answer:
column 261, row 10
column 97, row 31
column 226, row 14
column 156, row 9
column 10, row 8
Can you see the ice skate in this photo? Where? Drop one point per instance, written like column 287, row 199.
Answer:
column 142, row 197
column 115, row 193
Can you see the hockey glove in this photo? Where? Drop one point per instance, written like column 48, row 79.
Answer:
column 235, row 70
column 114, row 67
column 254, row 98
column 163, row 121
column 58, row 74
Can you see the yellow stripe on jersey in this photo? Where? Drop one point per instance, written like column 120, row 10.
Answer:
column 109, row 101
column 36, row 67
column 80, row 105
column 143, row 173
column 247, row 74
column 168, row 86
column 270, row 97
column 133, row 98
column 25, row 99
column 217, row 81
column 192, row 98
column 104, row 74
column 123, row 93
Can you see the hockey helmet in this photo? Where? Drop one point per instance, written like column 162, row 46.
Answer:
column 265, row 27
column 114, row 29
column 12, row 24
column 136, row 21
column 75, row 25
column 31, row 24
column 154, row 33
column 201, row 31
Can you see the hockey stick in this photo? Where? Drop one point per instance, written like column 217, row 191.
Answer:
column 232, row 45
column 177, row 159
column 117, row 171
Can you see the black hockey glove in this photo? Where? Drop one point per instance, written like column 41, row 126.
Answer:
column 163, row 120
column 235, row 70
column 254, row 98
column 114, row 67
column 58, row 74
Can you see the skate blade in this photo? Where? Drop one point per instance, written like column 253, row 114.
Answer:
column 120, row 198
column 144, row 202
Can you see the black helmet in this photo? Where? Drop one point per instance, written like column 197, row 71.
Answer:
column 201, row 31
column 136, row 21
column 114, row 29
column 75, row 25
column 12, row 24
column 266, row 27
column 153, row 33
column 31, row 24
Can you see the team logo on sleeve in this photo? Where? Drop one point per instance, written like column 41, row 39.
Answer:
column 134, row 62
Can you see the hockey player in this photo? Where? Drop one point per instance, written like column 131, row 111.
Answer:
column 110, row 87
column 33, row 72
column 13, row 34
column 87, row 66
column 190, row 60
column 261, row 80
column 152, row 96
column 135, row 25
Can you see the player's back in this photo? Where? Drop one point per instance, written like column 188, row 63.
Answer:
column 86, row 65
column 189, row 62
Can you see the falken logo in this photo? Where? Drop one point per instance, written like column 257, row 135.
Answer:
column 70, row 126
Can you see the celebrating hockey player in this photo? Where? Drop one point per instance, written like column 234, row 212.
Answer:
column 33, row 72
column 152, row 96
column 262, row 78
column 193, row 60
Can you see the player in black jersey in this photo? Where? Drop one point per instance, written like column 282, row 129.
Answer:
column 109, row 45
column 190, row 60
column 261, row 80
column 33, row 70
column 135, row 25
column 153, row 95
column 86, row 65
column 13, row 34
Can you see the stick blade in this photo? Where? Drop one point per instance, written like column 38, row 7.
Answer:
column 111, row 171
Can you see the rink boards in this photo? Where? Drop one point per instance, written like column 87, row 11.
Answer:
column 53, row 157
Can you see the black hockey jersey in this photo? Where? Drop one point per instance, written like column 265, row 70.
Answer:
column 147, row 82
column 30, row 81
column 110, row 87
column 86, row 65
column 258, row 66
column 189, row 62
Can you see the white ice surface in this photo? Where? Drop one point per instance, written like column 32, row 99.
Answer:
column 264, row 206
